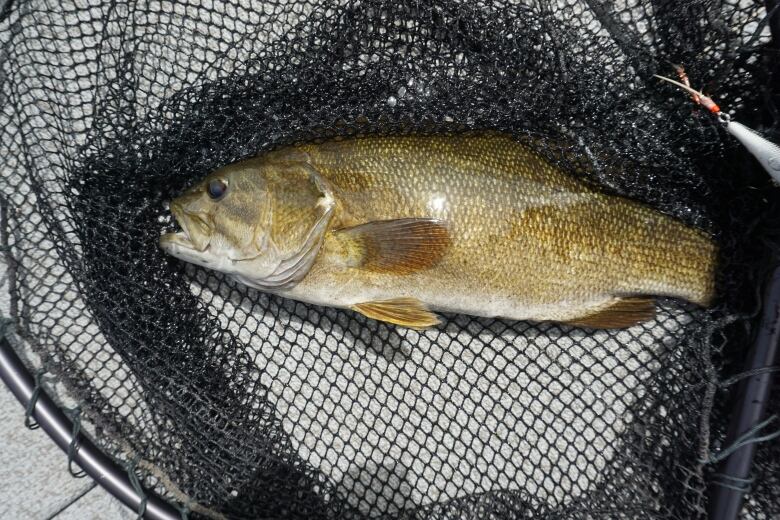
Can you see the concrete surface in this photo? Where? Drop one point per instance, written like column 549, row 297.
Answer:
column 35, row 479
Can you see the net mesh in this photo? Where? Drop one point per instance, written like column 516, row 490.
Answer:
column 230, row 402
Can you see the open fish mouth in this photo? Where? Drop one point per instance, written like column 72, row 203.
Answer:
column 184, row 237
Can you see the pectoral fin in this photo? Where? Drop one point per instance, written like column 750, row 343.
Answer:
column 622, row 313
column 408, row 312
column 401, row 246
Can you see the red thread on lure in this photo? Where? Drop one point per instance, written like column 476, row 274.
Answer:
column 766, row 152
column 698, row 97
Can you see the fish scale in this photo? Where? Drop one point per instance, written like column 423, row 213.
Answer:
column 524, row 240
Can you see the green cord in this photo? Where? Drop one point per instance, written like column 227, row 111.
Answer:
column 749, row 437
column 137, row 487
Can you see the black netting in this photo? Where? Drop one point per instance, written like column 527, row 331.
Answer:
column 230, row 401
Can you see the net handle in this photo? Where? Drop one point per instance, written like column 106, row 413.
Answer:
column 747, row 417
column 57, row 426
column 725, row 502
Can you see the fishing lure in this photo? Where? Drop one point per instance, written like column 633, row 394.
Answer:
column 766, row 152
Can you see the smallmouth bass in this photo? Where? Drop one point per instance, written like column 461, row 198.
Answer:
column 398, row 227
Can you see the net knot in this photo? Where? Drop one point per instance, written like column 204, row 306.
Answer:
column 73, row 447
column 7, row 325
column 5, row 8
column 133, row 477
column 741, row 485
column 29, row 421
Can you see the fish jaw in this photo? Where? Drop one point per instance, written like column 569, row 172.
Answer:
column 192, row 243
column 196, row 229
column 178, row 245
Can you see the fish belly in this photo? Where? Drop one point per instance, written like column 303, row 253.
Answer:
column 529, row 289
column 347, row 291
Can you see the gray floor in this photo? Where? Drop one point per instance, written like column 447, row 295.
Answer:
column 35, row 480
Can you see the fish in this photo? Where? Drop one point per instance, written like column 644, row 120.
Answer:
column 401, row 228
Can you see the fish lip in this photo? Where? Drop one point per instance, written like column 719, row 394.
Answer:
column 182, row 238
column 178, row 238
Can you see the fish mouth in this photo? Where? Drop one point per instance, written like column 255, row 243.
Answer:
column 195, row 232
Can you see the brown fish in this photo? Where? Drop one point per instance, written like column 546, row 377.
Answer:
column 396, row 227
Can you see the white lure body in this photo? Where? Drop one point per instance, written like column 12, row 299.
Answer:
column 767, row 152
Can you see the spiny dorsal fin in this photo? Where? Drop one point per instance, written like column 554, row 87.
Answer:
column 408, row 312
column 401, row 246
column 622, row 313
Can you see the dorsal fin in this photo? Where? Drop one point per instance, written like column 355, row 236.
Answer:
column 401, row 246
column 408, row 312
column 622, row 313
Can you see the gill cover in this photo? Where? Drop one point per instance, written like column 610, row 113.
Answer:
column 297, row 211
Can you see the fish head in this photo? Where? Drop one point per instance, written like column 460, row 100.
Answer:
column 261, row 222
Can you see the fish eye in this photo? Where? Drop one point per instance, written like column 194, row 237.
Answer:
column 216, row 188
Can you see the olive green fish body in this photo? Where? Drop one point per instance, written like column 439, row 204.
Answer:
column 480, row 225
column 528, row 242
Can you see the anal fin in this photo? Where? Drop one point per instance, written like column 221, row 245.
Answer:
column 407, row 312
column 622, row 313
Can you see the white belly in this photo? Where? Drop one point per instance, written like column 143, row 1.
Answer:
column 348, row 294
